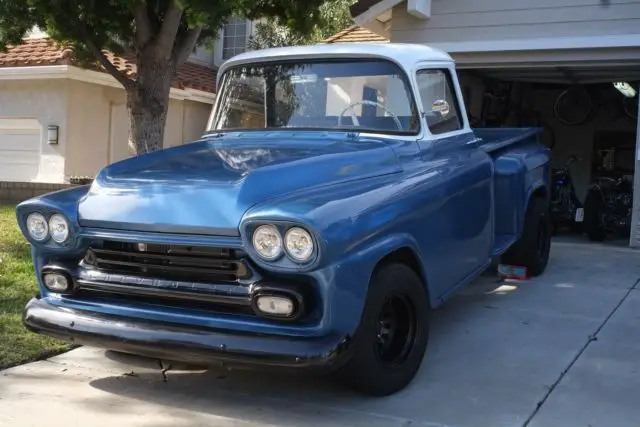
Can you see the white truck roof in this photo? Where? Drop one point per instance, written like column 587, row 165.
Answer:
column 404, row 54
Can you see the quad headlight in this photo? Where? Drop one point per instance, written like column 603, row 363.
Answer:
column 58, row 228
column 267, row 242
column 40, row 229
column 299, row 244
column 37, row 227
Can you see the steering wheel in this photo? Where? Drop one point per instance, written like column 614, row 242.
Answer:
column 354, row 118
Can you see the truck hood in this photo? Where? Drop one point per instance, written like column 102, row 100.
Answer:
column 206, row 187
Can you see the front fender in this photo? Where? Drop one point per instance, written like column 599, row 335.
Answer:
column 345, row 284
column 64, row 202
column 370, row 253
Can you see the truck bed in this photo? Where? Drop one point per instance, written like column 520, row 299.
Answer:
column 496, row 138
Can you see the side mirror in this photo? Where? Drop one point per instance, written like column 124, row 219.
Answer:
column 441, row 106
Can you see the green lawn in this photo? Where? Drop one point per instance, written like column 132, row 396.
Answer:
column 17, row 286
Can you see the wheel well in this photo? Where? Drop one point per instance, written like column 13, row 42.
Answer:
column 407, row 257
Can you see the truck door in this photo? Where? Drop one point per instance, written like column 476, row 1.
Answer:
column 461, row 242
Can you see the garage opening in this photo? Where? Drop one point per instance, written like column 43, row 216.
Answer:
column 589, row 117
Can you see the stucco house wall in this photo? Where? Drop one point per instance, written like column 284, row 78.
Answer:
column 87, row 128
column 44, row 102
column 98, row 126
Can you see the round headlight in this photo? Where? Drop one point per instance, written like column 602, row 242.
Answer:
column 58, row 228
column 267, row 242
column 299, row 244
column 37, row 227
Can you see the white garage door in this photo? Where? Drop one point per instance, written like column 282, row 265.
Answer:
column 19, row 149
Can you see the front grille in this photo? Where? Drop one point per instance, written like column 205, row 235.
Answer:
column 171, row 262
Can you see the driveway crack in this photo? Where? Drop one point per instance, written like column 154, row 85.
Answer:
column 591, row 338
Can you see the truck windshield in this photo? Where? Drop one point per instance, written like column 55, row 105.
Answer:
column 362, row 96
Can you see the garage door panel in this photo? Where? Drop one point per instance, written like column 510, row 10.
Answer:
column 26, row 140
column 20, row 141
column 17, row 172
column 18, row 157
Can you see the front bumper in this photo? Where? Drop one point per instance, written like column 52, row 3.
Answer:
column 188, row 344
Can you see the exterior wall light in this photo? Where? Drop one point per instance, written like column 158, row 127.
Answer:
column 52, row 134
column 625, row 88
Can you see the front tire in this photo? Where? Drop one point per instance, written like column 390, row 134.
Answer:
column 533, row 248
column 391, row 340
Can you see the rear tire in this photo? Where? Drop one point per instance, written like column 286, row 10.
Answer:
column 533, row 248
column 391, row 340
column 593, row 206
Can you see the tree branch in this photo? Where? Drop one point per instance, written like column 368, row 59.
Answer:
column 182, row 50
column 111, row 69
column 169, row 30
column 143, row 25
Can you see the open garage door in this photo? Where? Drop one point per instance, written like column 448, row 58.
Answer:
column 19, row 149
column 591, row 126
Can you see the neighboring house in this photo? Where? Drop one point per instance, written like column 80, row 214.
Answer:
column 41, row 88
column 232, row 40
column 537, row 49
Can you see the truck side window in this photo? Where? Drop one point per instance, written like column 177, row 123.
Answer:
column 439, row 101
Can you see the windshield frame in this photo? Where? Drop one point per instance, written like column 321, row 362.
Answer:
column 402, row 74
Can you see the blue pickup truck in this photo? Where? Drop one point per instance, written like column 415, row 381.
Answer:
column 337, row 197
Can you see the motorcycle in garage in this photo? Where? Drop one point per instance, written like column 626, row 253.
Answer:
column 607, row 207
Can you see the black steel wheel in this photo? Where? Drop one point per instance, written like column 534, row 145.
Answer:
column 391, row 340
column 396, row 332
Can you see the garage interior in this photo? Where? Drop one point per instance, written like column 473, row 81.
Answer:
column 589, row 116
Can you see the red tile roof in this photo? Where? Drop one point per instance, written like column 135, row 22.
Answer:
column 356, row 34
column 39, row 52
column 35, row 52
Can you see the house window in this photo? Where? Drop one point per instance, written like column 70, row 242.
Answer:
column 234, row 38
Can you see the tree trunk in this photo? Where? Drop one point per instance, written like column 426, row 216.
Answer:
column 147, row 104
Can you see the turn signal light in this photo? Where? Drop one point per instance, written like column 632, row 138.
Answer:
column 57, row 282
column 275, row 305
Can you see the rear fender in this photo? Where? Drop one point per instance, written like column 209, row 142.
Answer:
column 520, row 173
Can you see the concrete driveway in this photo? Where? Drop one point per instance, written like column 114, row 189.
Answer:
column 560, row 350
